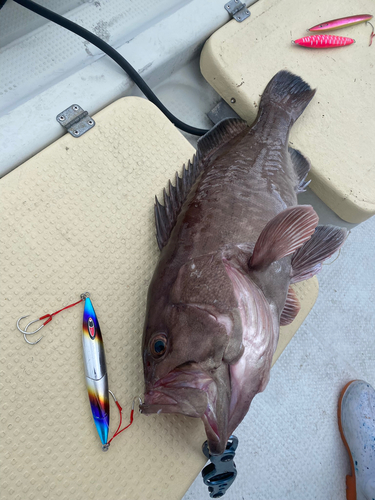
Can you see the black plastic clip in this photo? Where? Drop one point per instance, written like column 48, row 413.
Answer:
column 221, row 472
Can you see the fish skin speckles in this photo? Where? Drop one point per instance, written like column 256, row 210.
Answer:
column 232, row 238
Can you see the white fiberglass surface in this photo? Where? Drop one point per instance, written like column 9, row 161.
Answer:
column 49, row 53
column 45, row 68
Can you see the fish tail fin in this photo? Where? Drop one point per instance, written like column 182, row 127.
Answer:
column 287, row 91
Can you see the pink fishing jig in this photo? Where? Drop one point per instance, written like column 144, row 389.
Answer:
column 323, row 41
column 343, row 22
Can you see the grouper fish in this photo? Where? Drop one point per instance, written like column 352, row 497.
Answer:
column 232, row 239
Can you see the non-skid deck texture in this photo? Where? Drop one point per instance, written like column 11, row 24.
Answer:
column 79, row 217
column 336, row 132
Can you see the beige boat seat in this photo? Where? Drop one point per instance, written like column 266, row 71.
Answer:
column 336, row 132
column 78, row 217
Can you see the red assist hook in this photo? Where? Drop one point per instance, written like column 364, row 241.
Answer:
column 118, row 431
column 47, row 317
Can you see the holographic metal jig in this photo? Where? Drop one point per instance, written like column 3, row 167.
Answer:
column 95, row 370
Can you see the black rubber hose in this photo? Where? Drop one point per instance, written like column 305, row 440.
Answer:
column 113, row 54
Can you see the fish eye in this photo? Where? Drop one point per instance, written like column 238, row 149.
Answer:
column 158, row 345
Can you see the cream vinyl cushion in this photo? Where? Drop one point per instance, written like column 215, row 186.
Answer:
column 336, row 131
column 79, row 217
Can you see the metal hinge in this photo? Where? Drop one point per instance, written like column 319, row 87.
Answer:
column 75, row 120
column 237, row 10
column 221, row 111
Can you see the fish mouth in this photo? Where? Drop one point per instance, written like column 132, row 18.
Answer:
column 163, row 402
column 192, row 392
column 183, row 390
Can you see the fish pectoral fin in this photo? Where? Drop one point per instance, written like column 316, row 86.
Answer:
column 283, row 235
column 291, row 308
column 219, row 135
column 302, row 167
column 307, row 260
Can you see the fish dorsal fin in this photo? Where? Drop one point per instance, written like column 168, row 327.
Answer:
column 291, row 308
column 283, row 234
column 307, row 260
column 219, row 135
column 166, row 215
column 302, row 167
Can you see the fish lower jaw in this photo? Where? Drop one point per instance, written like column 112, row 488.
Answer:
column 157, row 409
column 155, row 401
column 159, row 402
column 216, row 443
